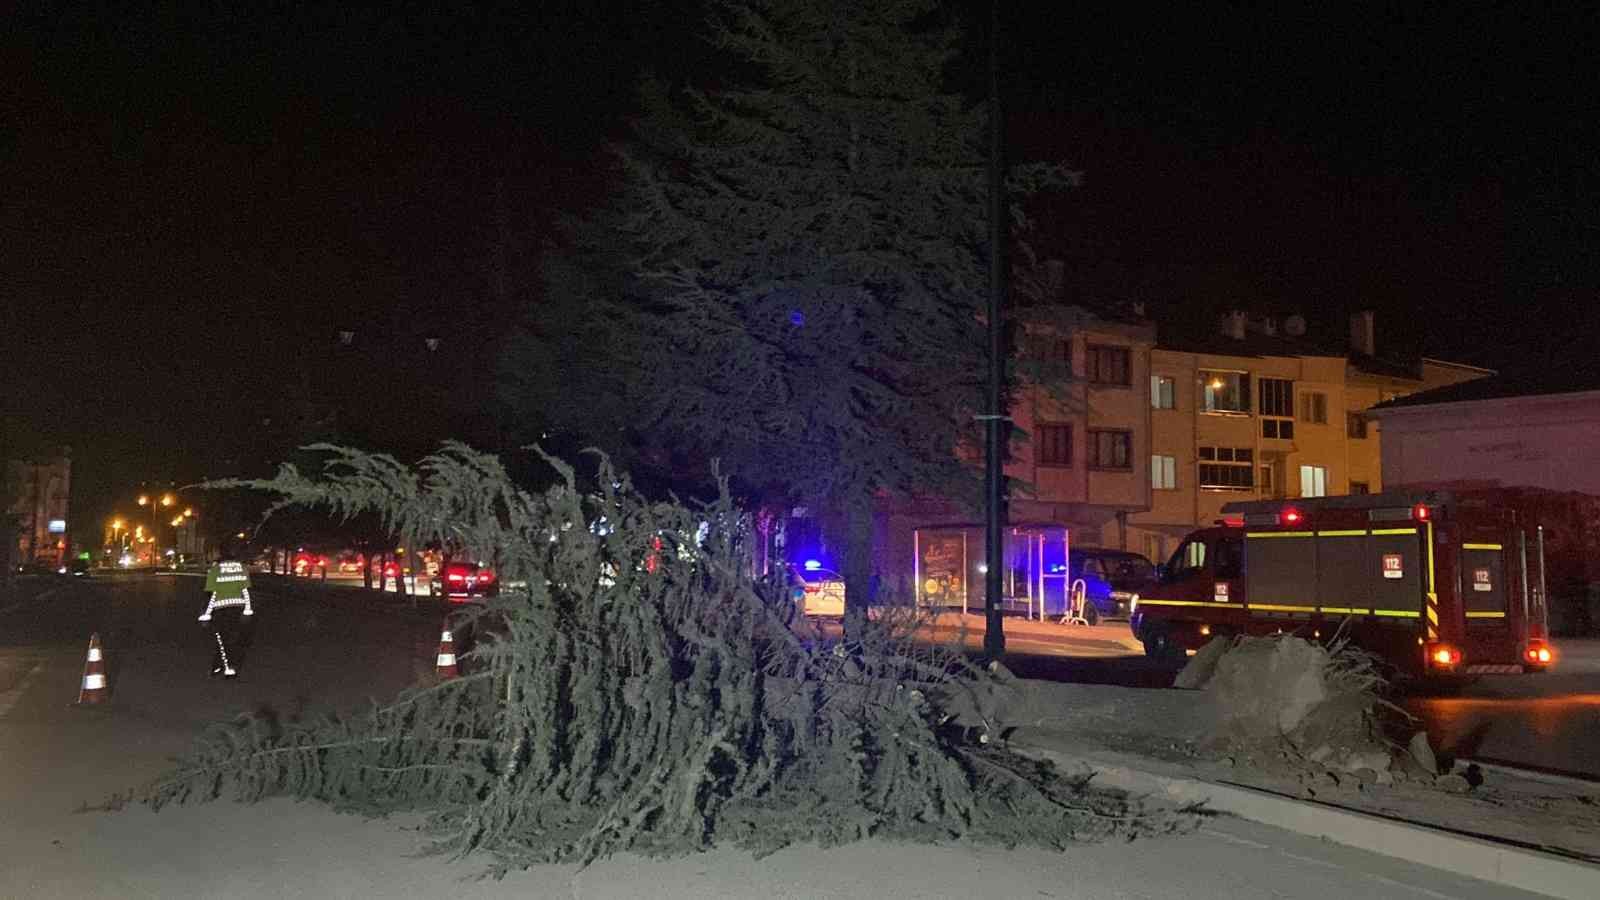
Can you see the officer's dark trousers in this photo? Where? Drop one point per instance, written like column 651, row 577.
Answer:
column 230, row 638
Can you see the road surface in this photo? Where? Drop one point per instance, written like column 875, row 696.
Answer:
column 55, row 757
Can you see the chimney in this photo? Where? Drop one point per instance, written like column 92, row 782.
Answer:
column 1363, row 338
column 1233, row 324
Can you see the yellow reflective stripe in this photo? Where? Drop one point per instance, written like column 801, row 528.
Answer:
column 1482, row 547
column 1394, row 531
column 1432, row 596
column 1274, row 607
column 1485, row 615
column 1397, row 613
column 1272, row 534
column 1362, row 532
column 1145, row 601
column 1346, row 610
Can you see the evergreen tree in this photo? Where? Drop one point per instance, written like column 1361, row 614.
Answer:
column 802, row 257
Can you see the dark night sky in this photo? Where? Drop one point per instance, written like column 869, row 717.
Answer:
column 194, row 203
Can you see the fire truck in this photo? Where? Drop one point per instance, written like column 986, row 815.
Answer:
column 1437, row 584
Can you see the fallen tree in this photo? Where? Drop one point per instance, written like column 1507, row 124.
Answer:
column 641, row 691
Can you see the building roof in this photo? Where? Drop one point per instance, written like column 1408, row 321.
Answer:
column 1501, row 386
column 1258, row 344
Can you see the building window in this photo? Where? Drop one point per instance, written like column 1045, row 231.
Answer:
column 1355, row 425
column 1154, row 547
column 1360, row 487
column 1281, row 429
column 1164, row 472
column 1227, row 468
column 1313, row 481
column 1110, row 449
column 1054, row 445
column 1107, row 365
column 1269, row 481
column 1224, row 392
column 1277, row 397
column 1314, row 408
column 1163, row 392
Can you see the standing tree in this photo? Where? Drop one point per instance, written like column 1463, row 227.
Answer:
column 792, row 276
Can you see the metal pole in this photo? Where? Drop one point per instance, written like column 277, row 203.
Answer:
column 994, row 418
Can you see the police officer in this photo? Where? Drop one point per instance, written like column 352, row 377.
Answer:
column 228, row 615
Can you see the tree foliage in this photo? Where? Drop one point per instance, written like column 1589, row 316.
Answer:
column 792, row 276
column 640, row 693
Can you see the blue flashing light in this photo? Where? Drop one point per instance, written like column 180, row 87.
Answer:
column 797, row 318
column 812, row 565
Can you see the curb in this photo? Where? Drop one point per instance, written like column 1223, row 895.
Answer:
column 1485, row 860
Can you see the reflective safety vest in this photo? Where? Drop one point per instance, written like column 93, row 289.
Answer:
column 228, row 585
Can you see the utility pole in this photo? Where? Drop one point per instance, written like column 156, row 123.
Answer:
column 996, row 421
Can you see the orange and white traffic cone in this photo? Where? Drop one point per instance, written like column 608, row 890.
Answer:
column 95, row 688
column 446, row 665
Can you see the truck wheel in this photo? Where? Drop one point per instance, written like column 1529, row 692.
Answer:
column 1159, row 645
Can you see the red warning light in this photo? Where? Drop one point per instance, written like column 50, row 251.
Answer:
column 1292, row 516
column 1421, row 513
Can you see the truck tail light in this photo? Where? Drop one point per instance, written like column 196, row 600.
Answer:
column 1292, row 517
column 1443, row 656
column 1421, row 513
column 1539, row 653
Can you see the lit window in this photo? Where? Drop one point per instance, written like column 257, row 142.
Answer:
column 1224, row 392
column 1164, row 472
column 1163, row 392
column 1313, row 481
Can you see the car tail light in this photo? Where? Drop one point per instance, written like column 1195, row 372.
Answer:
column 391, row 570
column 1443, row 656
column 485, row 576
column 456, row 576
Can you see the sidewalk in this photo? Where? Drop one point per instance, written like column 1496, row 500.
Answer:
column 1514, row 829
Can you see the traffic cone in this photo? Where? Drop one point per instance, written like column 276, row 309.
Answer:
column 94, row 688
column 446, row 665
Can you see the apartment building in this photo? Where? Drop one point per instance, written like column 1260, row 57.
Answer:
column 1081, row 466
column 1260, row 410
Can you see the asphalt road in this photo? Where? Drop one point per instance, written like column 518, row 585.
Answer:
column 310, row 655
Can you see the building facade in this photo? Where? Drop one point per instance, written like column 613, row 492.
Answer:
column 43, row 488
column 1257, row 412
column 1079, row 467
column 1485, row 438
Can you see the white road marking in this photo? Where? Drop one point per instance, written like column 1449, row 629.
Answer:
column 1232, row 839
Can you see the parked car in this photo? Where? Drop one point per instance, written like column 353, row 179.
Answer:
column 817, row 591
column 464, row 582
column 1113, row 580
column 80, row 568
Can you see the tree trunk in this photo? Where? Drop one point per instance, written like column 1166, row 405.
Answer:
column 858, row 567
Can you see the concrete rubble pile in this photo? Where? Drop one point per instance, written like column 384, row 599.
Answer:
column 1285, row 703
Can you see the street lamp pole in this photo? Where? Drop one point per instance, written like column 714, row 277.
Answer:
column 996, row 421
